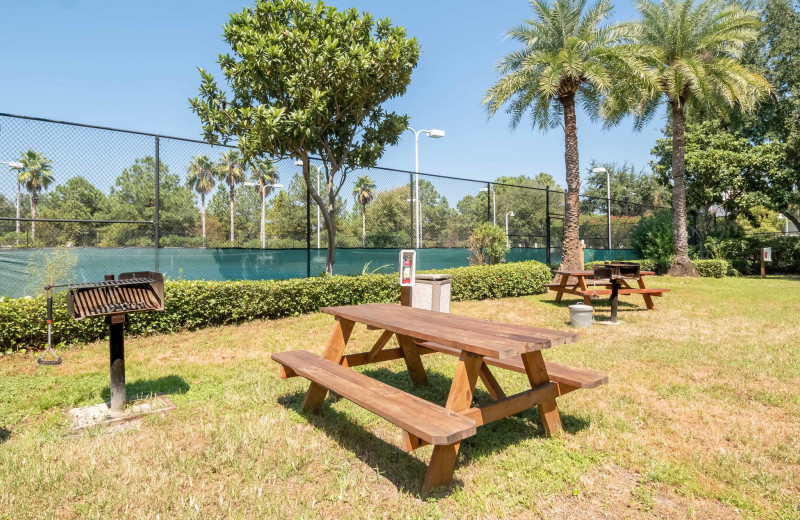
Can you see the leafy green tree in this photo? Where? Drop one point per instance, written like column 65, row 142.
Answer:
column 36, row 175
column 698, row 47
column 570, row 55
column 286, row 215
column 487, row 245
column 230, row 170
column 201, row 179
column 75, row 199
column 389, row 218
column 132, row 197
column 364, row 193
column 264, row 174
column 310, row 80
column 628, row 187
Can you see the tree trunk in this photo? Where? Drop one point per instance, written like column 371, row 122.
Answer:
column 327, row 213
column 34, row 204
column 570, row 249
column 232, row 197
column 790, row 215
column 681, row 265
column 363, row 227
column 203, row 215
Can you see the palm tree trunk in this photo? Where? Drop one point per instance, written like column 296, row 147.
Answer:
column 34, row 204
column 203, row 215
column 363, row 226
column 681, row 265
column 570, row 249
column 232, row 196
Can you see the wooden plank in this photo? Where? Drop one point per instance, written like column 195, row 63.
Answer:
column 537, row 375
column 382, row 341
column 482, row 344
column 563, row 284
column 333, row 352
column 413, row 362
column 512, row 405
column 491, row 384
column 426, row 420
column 648, row 299
column 574, row 377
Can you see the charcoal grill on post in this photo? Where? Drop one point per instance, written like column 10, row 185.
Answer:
column 616, row 271
column 130, row 292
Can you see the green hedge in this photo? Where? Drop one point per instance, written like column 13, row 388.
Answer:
column 744, row 254
column 192, row 305
column 705, row 268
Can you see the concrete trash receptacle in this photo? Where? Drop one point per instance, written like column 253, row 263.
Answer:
column 432, row 292
column 580, row 315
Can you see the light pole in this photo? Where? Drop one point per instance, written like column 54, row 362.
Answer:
column 435, row 134
column 494, row 204
column 608, row 199
column 263, row 189
column 299, row 162
column 15, row 166
column 509, row 214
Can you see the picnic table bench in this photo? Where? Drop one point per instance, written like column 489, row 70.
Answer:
column 583, row 284
column 476, row 343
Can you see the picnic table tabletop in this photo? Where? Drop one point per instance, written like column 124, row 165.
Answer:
column 591, row 273
column 481, row 337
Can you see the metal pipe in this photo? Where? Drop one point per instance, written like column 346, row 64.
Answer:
column 116, row 347
column 156, row 215
column 608, row 205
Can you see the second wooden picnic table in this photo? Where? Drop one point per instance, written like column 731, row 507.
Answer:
column 583, row 284
column 476, row 343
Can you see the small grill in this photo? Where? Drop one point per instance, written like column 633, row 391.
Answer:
column 615, row 272
column 131, row 292
column 114, row 299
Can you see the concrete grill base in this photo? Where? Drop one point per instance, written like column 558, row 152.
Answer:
column 100, row 415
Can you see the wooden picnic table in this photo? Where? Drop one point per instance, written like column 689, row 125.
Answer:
column 583, row 284
column 476, row 343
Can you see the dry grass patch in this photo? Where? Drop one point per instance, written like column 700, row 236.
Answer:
column 701, row 419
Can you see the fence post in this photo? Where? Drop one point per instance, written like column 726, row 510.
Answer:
column 547, row 223
column 411, row 210
column 157, row 208
column 308, row 231
column 488, row 202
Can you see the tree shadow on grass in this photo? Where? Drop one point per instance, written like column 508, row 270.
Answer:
column 4, row 435
column 402, row 469
column 143, row 388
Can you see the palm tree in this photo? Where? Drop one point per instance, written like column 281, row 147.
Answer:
column 570, row 55
column 364, row 193
column 36, row 175
column 265, row 176
column 231, row 172
column 698, row 47
column 201, row 179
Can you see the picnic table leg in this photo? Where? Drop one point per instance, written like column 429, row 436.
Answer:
column 561, row 286
column 537, row 375
column 587, row 300
column 443, row 460
column 648, row 300
column 333, row 352
column 414, row 363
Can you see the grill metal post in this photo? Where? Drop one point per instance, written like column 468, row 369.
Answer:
column 116, row 344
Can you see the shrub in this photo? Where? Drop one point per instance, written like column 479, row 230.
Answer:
column 487, row 245
column 191, row 305
column 744, row 254
column 711, row 268
column 653, row 239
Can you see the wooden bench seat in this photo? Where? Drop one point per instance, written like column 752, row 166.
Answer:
column 421, row 418
column 568, row 378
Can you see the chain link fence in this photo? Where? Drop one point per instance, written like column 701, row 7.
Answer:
column 118, row 200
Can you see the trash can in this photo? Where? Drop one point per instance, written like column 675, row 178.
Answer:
column 432, row 292
column 581, row 315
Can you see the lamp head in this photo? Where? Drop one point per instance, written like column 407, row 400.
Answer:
column 13, row 164
column 599, row 170
column 298, row 162
column 435, row 133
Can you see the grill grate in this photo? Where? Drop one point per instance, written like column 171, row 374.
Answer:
column 132, row 292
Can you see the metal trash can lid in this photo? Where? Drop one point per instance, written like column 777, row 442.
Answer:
column 581, row 307
column 434, row 277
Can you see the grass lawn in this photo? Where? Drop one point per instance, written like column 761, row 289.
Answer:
column 700, row 419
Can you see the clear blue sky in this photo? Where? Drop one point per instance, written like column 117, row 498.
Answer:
column 133, row 65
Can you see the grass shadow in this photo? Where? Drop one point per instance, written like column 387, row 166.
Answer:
column 400, row 468
column 4, row 435
column 142, row 388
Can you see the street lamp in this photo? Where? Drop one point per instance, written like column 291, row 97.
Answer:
column 299, row 162
column 608, row 199
column 435, row 134
column 15, row 166
column 263, row 189
column 494, row 204
column 509, row 214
